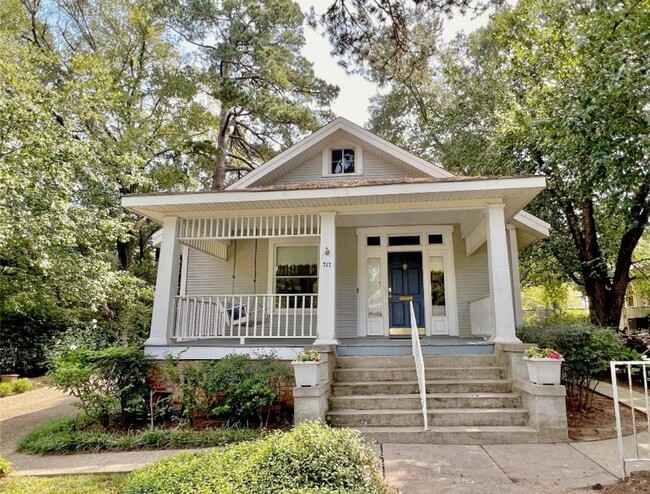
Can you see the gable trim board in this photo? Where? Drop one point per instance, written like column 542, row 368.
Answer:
column 290, row 156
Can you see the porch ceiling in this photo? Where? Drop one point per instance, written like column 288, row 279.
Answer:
column 514, row 192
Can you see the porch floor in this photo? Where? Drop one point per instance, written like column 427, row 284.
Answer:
column 431, row 345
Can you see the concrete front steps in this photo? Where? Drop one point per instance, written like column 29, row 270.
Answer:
column 469, row 401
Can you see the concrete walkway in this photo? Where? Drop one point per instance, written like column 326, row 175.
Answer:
column 21, row 413
column 415, row 469
column 624, row 395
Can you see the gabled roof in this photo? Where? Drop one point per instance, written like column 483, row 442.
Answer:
column 313, row 145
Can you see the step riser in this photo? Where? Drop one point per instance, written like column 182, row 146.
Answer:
column 379, row 403
column 370, row 388
column 355, row 375
column 436, row 437
column 458, row 361
column 450, row 419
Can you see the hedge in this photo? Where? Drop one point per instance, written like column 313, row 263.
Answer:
column 312, row 458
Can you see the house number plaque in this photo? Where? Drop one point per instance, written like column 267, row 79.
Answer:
column 327, row 264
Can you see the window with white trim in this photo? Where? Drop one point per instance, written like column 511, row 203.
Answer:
column 342, row 160
column 296, row 269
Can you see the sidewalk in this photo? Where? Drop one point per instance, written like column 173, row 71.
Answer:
column 606, row 389
column 415, row 469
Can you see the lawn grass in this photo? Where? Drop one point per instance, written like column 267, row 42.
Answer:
column 62, row 437
column 68, row 484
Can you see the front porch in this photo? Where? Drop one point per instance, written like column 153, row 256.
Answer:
column 337, row 267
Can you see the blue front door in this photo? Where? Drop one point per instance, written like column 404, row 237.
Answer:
column 405, row 282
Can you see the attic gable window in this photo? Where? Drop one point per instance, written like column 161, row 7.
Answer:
column 343, row 160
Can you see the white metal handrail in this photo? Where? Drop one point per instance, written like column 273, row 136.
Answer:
column 640, row 402
column 245, row 316
column 419, row 366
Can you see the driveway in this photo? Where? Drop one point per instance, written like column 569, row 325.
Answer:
column 21, row 413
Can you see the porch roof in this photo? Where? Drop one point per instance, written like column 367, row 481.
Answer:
column 344, row 196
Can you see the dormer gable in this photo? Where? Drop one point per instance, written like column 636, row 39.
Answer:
column 340, row 150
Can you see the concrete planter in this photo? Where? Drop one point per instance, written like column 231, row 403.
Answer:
column 307, row 373
column 7, row 378
column 544, row 370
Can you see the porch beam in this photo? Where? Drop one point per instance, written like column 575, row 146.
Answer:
column 166, row 284
column 326, row 312
column 214, row 248
column 476, row 238
column 499, row 275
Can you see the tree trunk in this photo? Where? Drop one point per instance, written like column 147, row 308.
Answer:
column 225, row 120
column 124, row 254
column 219, row 174
column 607, row 294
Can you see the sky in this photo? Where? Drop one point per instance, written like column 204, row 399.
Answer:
column 356, row 92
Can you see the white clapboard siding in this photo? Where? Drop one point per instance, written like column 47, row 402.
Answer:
column 312, row 170
column 472, row 281
column 207, row 275
column 346, row 283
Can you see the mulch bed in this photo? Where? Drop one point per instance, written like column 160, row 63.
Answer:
column 637, row 483
column 599, row 421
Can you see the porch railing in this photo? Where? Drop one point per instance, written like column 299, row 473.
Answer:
column 636, row 400
column 480, row 317
column 419, row 367
column 245, row 316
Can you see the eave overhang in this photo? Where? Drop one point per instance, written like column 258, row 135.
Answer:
column 514, row 192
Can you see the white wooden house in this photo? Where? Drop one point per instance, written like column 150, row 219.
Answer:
column 328, row 243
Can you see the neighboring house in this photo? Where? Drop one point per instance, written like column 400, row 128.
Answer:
column 329, row 242
column 636, row 313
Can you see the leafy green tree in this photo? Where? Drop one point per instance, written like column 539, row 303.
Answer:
column 94, row 104
column 55, row 228
column 122, row 85
column 559, row 88
column 247, row 54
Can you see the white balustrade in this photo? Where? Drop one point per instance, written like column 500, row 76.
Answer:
column 480, row 317
column 245, row 316
column 266, row 226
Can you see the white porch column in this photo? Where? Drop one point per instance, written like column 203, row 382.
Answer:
column 516, row 281
column 166, row 284
column 499, row 274
column 326, row 313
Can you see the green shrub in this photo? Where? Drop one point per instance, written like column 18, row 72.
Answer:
column 587, row 351
column 189, row 382
column 66, row 436
column 5, row 389
column 241, row 389
column 5, row 467
column 312, row 458
column 109, row 383
column 21, row 385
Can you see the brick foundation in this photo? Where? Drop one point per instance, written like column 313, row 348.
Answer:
column 161, row 382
